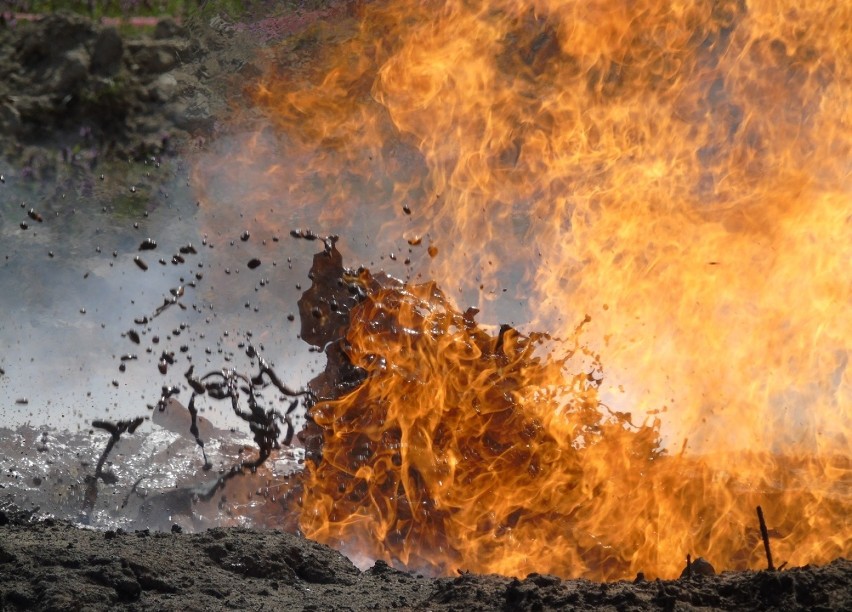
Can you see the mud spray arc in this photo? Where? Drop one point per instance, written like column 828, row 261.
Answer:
column 655, row 195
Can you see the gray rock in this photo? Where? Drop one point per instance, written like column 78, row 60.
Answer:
column 195, row 115
column 10, row 120
column 164, row 88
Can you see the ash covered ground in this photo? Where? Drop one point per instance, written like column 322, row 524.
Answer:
column 96, row 95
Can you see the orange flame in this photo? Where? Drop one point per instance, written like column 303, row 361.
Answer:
column 677, row 170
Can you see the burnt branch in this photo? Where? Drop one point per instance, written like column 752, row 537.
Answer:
column 764, row 533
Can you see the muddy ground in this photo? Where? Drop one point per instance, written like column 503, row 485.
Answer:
column 52, row 565
column 73, row 91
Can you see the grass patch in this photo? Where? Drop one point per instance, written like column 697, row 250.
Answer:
column 148, row 8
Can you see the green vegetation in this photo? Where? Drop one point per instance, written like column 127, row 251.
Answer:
column 146, row 8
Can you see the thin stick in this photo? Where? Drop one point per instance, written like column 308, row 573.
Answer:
column 688, row 565
column 765, row 535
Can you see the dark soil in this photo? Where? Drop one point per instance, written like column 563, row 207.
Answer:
column 52, row 565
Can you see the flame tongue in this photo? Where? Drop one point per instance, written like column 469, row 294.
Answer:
column 439, row 446
column 463, row 448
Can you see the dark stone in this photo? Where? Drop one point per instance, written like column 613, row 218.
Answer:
column 107, row 53
column 168, row 28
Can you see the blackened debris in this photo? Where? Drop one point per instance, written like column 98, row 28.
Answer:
column 115, row 430
column 196, row 384
column 304, row 234
column 264, row 423
column 193, row 429
column 324, row 307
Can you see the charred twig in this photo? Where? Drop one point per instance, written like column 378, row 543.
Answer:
column 765, row 535
column 688, row 565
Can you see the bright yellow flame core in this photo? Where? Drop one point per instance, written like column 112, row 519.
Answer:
column 680, row 171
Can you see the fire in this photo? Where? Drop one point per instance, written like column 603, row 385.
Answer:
column 679, row 172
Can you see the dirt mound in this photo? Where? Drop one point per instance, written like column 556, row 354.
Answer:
column 66, row 81
column 52, row 565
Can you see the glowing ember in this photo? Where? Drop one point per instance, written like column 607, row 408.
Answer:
column 680, row 173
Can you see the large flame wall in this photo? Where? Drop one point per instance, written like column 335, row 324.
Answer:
column 678, row 171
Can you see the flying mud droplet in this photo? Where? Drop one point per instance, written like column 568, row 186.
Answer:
column 432, row 250
column 245, row 236
column 148, row 244
column 139, row 263
column 134, row 336
column 304, row 234
column 253, row 263
column 32, row 214
column 24, row 225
